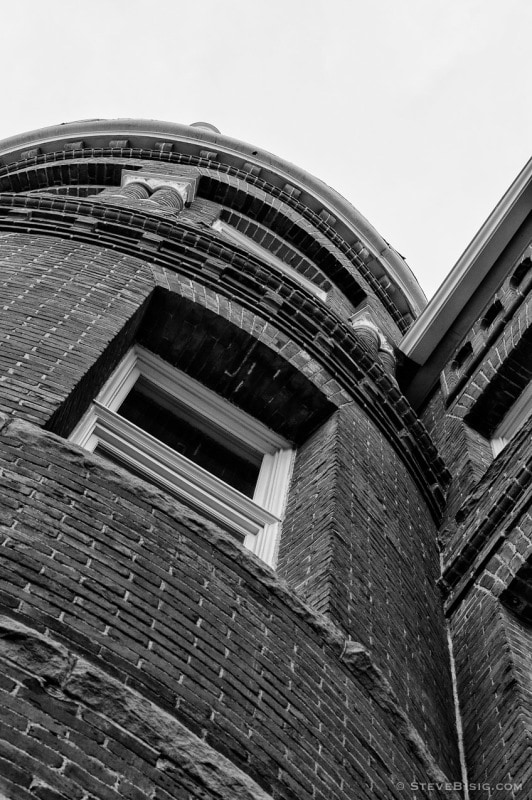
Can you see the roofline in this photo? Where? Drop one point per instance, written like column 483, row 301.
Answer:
column 390, row 261
column 470, row 270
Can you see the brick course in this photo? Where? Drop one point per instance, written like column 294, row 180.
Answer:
column 123, row 603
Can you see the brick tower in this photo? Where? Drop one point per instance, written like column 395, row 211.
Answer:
column 468, row 372
column 221, row 518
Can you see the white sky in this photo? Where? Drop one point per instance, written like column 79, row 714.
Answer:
column 417, row 111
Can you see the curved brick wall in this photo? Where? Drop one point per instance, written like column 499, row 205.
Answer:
column 359, row 544
column 145, row 653
column 143, row 638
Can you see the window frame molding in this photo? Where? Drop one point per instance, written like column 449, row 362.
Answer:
column 244, row 241
column 513, row 420
column 256, row 520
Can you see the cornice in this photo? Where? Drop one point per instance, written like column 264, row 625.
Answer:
column 148, row 132
column 351, row 272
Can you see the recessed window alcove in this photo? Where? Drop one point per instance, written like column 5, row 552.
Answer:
column 198, row 407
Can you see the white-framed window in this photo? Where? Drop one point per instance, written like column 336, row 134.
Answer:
column 513, row 420
column 165, row 426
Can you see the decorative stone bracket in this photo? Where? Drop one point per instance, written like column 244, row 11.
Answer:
column 373, row 340
column 171, row 192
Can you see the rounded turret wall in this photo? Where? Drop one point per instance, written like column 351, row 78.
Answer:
column 186, row 317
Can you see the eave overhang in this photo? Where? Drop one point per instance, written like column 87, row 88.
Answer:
column 451, row 312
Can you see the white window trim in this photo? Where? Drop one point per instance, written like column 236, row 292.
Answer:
column 514, row 419
column 247, row 243
column 257, row 520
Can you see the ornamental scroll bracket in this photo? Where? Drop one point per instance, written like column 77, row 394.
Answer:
column 154, row 182
column 372, row 339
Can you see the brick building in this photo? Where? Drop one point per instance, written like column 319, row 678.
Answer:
column 265, row 523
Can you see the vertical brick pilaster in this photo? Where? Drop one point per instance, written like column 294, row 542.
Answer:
column 359, row 544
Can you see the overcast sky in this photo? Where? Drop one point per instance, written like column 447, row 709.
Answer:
column 417, row 111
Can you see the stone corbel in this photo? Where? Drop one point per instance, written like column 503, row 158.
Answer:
column 160, row 187
column 372, row 339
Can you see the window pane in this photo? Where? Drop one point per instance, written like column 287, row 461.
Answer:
column 162, row 418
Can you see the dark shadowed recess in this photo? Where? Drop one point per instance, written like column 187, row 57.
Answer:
column 215, row 352
column 504, row 389
column 518, row 595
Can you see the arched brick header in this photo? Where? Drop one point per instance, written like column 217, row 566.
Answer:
column 220, row 355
